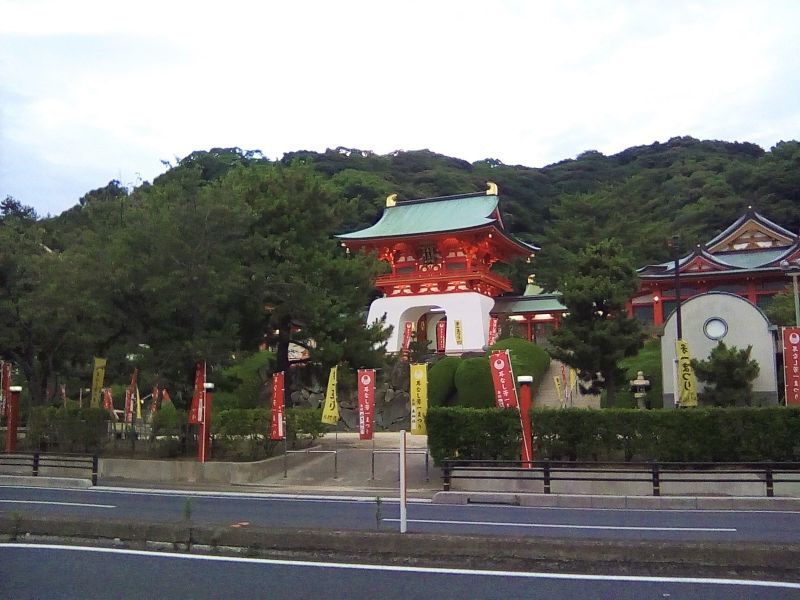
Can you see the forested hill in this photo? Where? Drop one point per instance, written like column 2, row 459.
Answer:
column 642, row 195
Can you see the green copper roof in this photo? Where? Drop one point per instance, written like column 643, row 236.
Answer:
column 431, row 215
column 533, row 304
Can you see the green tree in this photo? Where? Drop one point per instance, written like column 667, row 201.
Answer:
column 780, row 310
column 597, row 333
column 728, row 374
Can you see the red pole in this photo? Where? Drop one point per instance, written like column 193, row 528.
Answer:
column 12, row 414
column 525, row 402
column 204, row 433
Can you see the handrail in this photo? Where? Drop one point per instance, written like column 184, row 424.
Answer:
column 654, row 472
column 40, row 460
column 426, row 452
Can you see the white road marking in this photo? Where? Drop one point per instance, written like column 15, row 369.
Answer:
column 57, row 503
column 567, row 526
column 403, row 569
column 257, row 496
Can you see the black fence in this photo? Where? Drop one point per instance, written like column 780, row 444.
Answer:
column 39, row 460
column 655, row 473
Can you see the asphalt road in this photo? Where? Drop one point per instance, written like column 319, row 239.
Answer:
column 362, row 514
column 56, row 572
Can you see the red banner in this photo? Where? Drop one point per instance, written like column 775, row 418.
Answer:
column 407, row 335
column 441, row 334
column 791, row 364
column 503, row 378
column 154, row 400
column 130, row 397
column 196, row 408
column 277, row 432
column 494, row 330
column 5, row 380
column 165, row 399
column 366, row 403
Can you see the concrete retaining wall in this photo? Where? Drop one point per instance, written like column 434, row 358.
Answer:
column 189, row 471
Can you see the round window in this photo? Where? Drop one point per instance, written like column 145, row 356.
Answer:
column 715, row 328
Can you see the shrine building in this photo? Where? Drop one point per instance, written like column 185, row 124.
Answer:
column 745, row 260
column 440, row 289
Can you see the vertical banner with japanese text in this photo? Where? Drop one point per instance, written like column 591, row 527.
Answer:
column 419, row 398
column 330, row 410
column 791, row 364
column 441, row 335
column 505, row 390
column 494, row 330
column 687, row 383
column 559, row 392
column 458, row 329
column 366, row 403
column 98, row 375
column 199, row 390
column 407, row 330
column 130, row 397
column 276, row 430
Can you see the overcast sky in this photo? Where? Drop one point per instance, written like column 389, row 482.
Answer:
column 92, row 91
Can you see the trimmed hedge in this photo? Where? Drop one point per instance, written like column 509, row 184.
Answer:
column 527, row 358
column 693, row 435
column 441, row 381
column 66, row 429
column 473, row 381
column 486, row 434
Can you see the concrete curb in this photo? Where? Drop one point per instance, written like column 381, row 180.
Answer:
column 618, row 556
column 51, row 482
column 620, row 502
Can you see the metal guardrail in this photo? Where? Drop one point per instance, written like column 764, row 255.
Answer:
column 656, row 473
column 397, row 452
column 40, row 460
column 286, row 454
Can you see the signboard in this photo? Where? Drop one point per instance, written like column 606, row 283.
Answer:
column 366, row 403
column 791, row 364
column 419, row 398
column 276, row 430
column 441, row 335
column 494, row 330
column 407, row 328
column 687, row 383
column 459, row 331
column 503, row 378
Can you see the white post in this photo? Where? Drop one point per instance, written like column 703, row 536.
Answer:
column 403, row 516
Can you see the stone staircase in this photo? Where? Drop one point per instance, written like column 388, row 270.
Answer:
column 547, row 396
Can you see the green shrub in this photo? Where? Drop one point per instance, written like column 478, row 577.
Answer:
column 473, row 381
column 693, row 435
column 441, row 381
column 67, row 429
column 169, row 421
column 486, row 434
column 527, row 358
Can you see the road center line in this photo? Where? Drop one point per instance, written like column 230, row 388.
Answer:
column 58, row 503
column 569, row 526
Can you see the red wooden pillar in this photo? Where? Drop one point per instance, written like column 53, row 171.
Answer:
column 12, row 417
column 525, row 403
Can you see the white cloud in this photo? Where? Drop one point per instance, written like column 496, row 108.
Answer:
column 91, row 90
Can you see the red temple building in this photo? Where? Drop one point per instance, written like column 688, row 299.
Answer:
column 745, row 260
column 440, row 288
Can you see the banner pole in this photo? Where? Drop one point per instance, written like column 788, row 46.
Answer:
column 403, row 516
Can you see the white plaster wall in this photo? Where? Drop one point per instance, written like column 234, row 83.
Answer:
column 471, row 308
column 747, row 326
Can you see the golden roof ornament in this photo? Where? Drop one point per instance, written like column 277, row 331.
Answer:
column 391, row 200
column 492, row 188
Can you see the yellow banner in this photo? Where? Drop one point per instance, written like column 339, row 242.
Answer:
column 98, row 374
column 687, row 383
column 419, row 398
column 138, row 404
column 330, row 413
column 559, row 392
column 459, row 332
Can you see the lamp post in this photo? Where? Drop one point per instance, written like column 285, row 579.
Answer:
column 12, row 417
column 792, row 269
